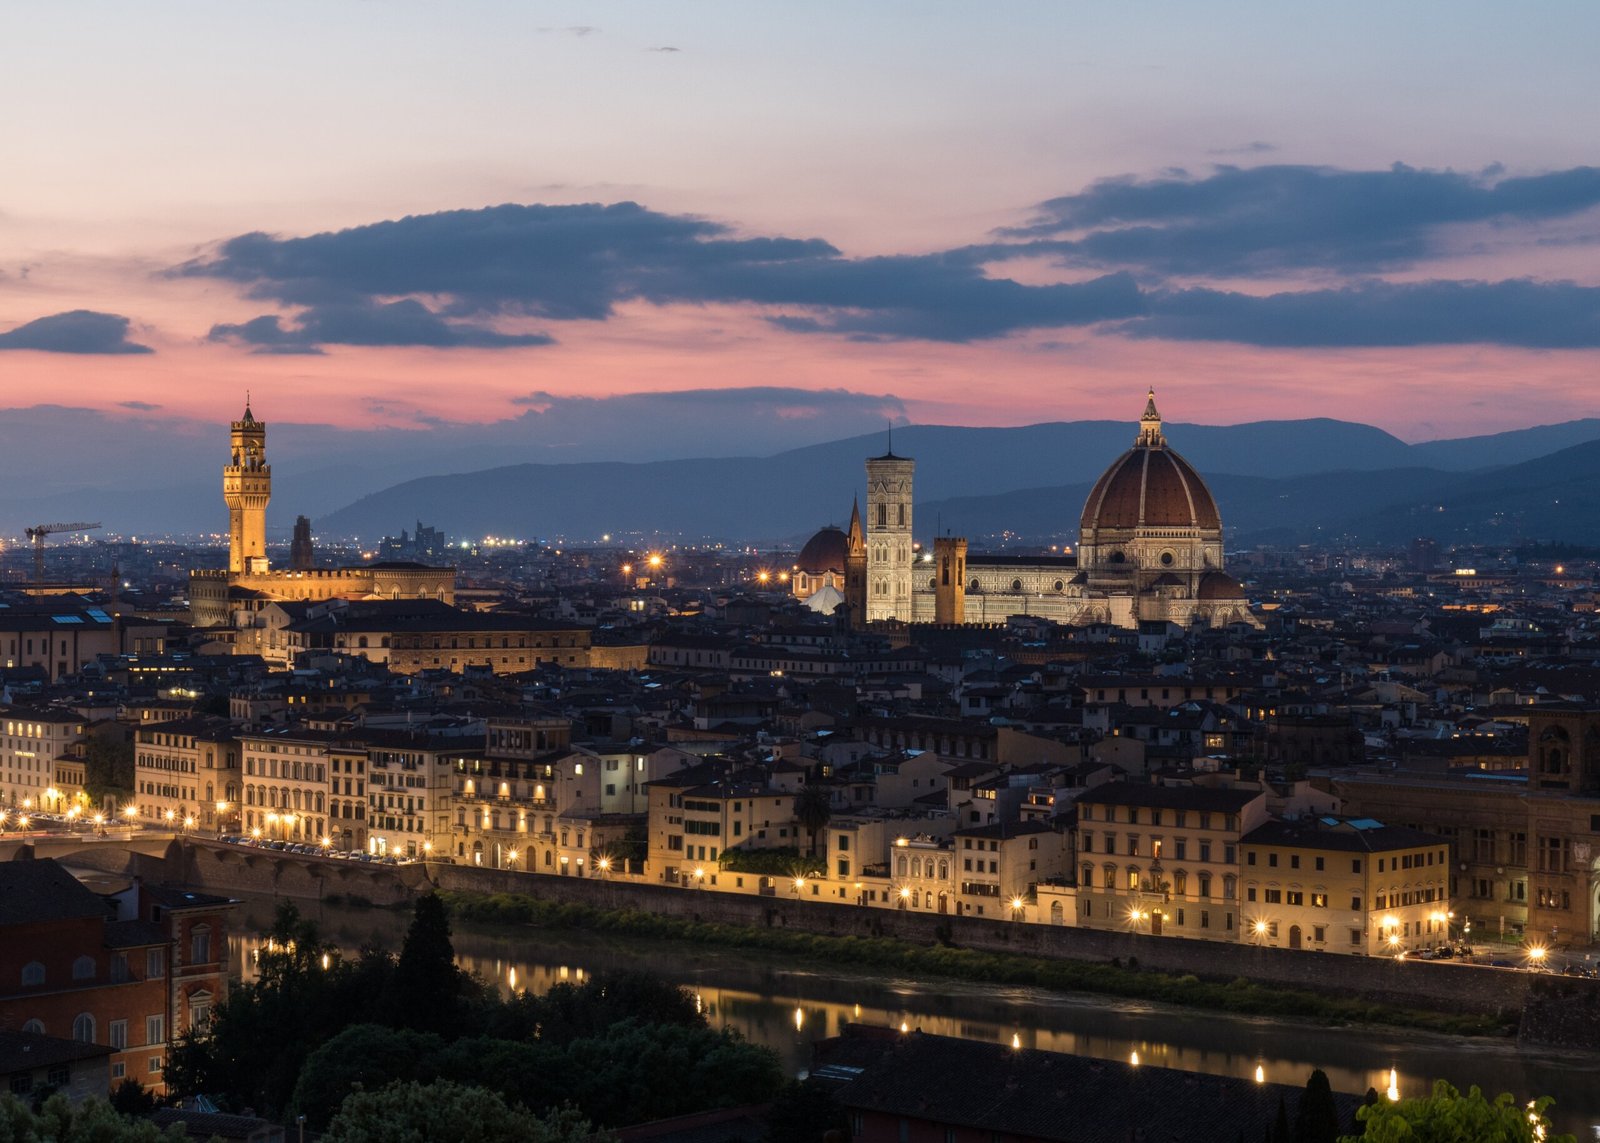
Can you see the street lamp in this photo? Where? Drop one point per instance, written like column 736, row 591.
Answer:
column 130, row 812
column 1536, row 956
column 1017, row 905
column 905, row 896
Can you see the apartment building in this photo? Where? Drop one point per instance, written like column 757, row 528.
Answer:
column 132, row 973
column 411, row 781
column 1346, row 886
column 187, row 773
column 998, row 866
column 1163, row 859
column 34, row 739
column 699, row 813
column 286, row 783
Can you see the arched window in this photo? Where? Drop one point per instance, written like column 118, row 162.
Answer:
column 32, row 974
column 900, row 867
column 83, row 968
column 944, row 870
column 916, row 867
column 1554, row 745
column 34, row 1026
column 83, row 1028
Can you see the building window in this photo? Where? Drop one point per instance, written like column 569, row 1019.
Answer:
column 155, row 963
column 32, row 974
column 117, row 1034
column 155, row 1029
column 36, row 1027
column 83, row 968
column 199, row 1011
column 200, row 945
column 83, row 1028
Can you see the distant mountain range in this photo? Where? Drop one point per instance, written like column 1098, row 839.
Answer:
column 1288, row 481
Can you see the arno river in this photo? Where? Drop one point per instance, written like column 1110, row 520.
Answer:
column 786, row 1008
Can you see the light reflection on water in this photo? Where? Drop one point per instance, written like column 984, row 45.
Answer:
column 787, row 1009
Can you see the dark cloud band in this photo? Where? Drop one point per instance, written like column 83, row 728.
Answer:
column 469, row 278
column 76, row 331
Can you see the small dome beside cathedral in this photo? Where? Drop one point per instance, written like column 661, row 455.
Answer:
column 824, row 552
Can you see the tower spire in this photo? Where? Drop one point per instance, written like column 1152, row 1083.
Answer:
column 1150, row 434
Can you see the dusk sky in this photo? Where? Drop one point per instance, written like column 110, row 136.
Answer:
column 407, row 213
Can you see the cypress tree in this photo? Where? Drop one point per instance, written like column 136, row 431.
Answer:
column 1316, row 1120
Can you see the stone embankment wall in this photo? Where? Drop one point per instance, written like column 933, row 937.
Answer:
column 1442, row 985
column 1412, row 984
column 1561, row 1012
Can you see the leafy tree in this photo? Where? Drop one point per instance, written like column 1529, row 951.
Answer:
column 107, row 768
column 1447, row 1116
column 426, row 991
column 573, row 1011
column 59, row 1120
column 540, row 1075
column 813, row 808
column 635, row 1074
column 261, row 1035
column 804, row 1113
column 445, row 1112
column 130, row 1098
column 362, row 1057
column 1316, row 1120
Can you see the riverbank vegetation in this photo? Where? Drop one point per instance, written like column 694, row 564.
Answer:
column 884, row 954
column 315, row 1031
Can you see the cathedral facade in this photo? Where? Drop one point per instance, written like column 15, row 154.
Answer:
column 1150, row 548
column 229, row 597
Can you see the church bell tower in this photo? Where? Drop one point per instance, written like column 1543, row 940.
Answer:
column 889, row 550
column 246, row 488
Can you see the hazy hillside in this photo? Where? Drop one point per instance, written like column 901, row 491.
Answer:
column 163, row 477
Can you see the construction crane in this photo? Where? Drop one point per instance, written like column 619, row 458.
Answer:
column 37, row 534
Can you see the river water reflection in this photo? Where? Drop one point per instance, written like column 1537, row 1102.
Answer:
column 787, row 1008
